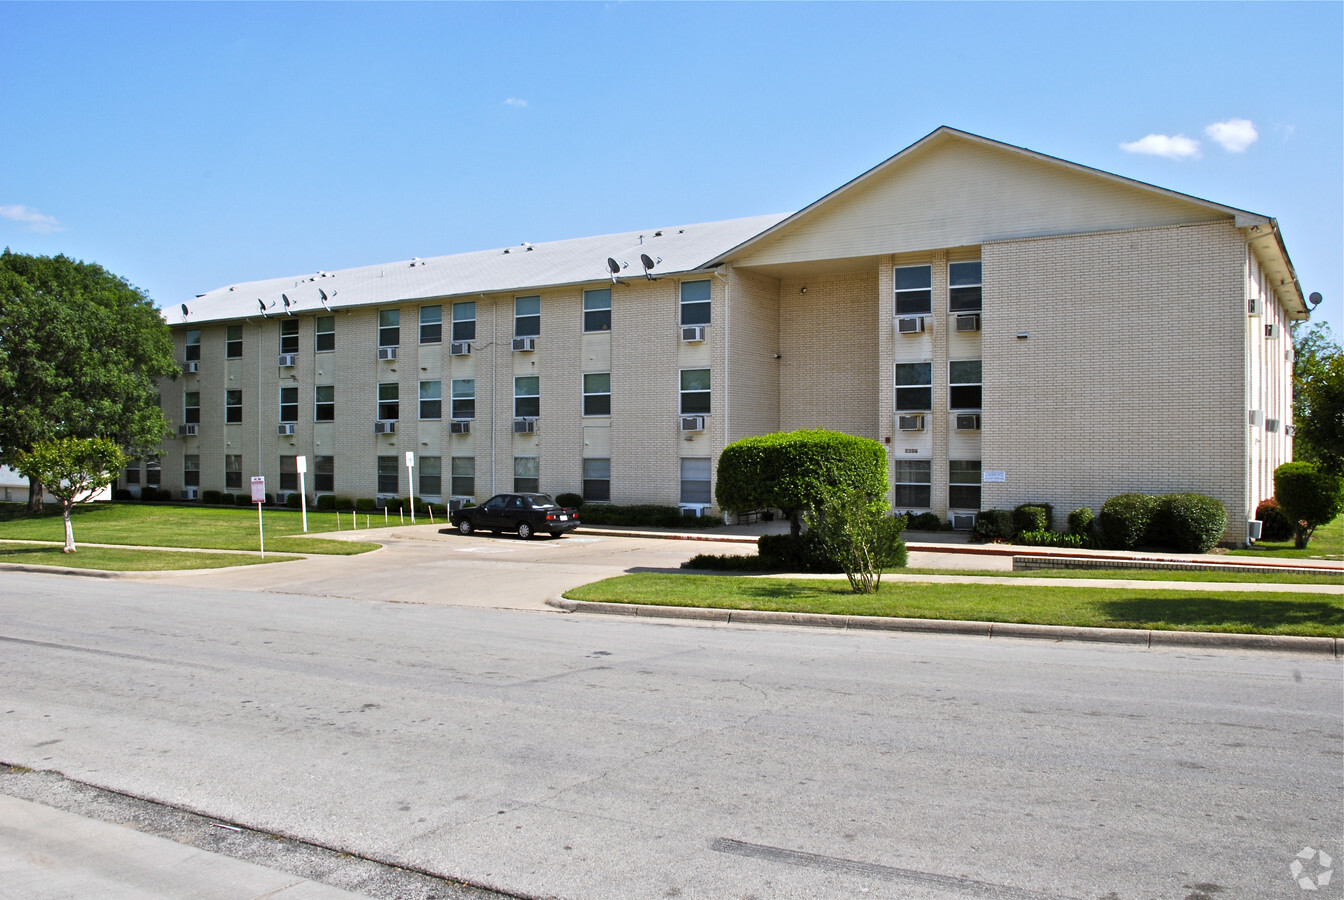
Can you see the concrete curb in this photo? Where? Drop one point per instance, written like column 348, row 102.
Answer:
column 1314, row 646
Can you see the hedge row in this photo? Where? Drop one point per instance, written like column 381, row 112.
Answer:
column 644, row 515
column 1188, row 523
column 787, row 553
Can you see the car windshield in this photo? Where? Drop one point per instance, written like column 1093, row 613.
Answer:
column 541, row 501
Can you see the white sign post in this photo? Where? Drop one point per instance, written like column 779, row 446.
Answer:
column 259, row 497
column 410, row 481
column 301, row 463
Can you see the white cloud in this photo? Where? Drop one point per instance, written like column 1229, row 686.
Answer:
column 1235, row 135
column 31, row 219
column 1178, row 147
column 515, row 101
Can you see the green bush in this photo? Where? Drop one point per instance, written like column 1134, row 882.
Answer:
column 326, row 501
column 574, row 501
column 294, row 500
column 993, row 525
column 794, row 553
column 645, row 515
column 1308, row 497
column 1190, row 523
column 1032, row 517
column 393, row 505
column 1125, row 520
column 122, row 494
column 243, row 499
column 1080, row 521
column 344, row 504
column 365, row 504
column 227, row 499
column 1051, row 539
column 730, row 563
column 211, row 497
column 925, row 521
column 1275, row 525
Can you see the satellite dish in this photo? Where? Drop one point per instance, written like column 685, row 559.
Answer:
column 614, row 268
column 263, row 307
column 184, row 311
column 286, row 299
column 1315, row 298
column 322, row 294
column 648, row 266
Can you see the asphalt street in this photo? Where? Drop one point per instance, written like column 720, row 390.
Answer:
column 547, row 754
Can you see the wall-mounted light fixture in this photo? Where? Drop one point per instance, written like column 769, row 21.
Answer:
column 803, row 290
column 1023, row 335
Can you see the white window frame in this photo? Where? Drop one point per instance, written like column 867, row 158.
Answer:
column 913, row 386
column 595, row 394
column 694, row 305
column 517, row 412
column 431, row 323
column 926, row 484
column 898, row 291
column 519, row 316
column 953, row 385
column 952, row 288
column 708, row 392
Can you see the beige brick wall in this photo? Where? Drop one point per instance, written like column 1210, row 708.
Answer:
column 753, row 382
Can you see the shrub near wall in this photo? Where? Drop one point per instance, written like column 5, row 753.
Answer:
column 1276, row 526
column 1125, row 520
column 1190, row 523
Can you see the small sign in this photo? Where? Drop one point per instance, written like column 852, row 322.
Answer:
column 258, row 488
column 410, row 458
column 992, row 475
column 301, row 464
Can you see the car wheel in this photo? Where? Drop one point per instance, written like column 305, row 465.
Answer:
column 464, row 526
column 524, row 530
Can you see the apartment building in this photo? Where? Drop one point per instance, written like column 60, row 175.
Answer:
column 1014, row 327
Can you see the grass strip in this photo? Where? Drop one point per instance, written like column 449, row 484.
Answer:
column 1249, row 612
column 126, row 559
column 151, row 525
column 1322, row 578
column 1326, row 543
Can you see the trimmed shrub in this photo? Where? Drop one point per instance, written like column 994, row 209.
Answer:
column 993, row 525
column 1080, row 521
column 393, row 505
column 242, row 499
column 122, row 494
column 1190, row 523
column 326, row 501
column 1125, row 520
column 1276, row 526
column 570, row 500
column 227, row 499
column 365, row 504
column 794, row 553
column 294, row 500
column 925, row 521
column 1032, row 517
column 1051, row 539
column 163, row 494
column 645, row 515
column 344, row 504
column 211, row 497
column 1308, row 498
column 729, row 563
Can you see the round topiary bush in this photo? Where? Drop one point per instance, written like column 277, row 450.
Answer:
column 994, row 525
column 1125, row 520
column 365, row 504
column 1191, row 523
column 243, row 499
column 326, row 501
column 1080, row 521
column 1031, row 517
column 1308, row 498
column 573, row 501
column 211, row 497
column 344, row 504
column 1276, row 526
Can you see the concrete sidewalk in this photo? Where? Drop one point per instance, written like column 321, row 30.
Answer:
column 48, row 854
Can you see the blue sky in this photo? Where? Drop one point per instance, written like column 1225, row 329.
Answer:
column 189, row 146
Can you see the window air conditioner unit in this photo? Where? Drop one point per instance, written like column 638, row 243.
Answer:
column 191, row 368
column 1254, row 528
column 386, row 354
column 692, row 423
column 693, row 509
column 459, row 426
column 282, row 497
column 1271, row 424
column 381, row 427
column 1290, row 430
column 968, row 322
column 191, row 493
column 381, row 500
column 287, row 360
column 910, row 423
column 1271, row 330
column 1256, row 416
column 692, row 334
column 188, row 430
column 910, row 325
column 963, row 521
column 1254, row 306
column 524, row 426
column 285, row 428
column 968, row 422
column 525, row 344
column 460, row 348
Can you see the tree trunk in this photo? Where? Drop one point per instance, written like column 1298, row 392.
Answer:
column 69, row 529
column 34, row 495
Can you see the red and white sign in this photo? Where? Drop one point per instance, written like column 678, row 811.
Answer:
column 258, row 488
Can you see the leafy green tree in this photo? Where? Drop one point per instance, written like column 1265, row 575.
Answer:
column 1318, row 397
column 792, row 471
column 81, row 352
column 73, row 470
column 1308, row 496
column 859, row 536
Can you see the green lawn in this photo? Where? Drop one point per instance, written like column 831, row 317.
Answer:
column 128, row 559
column 1256, row 613
column 153, row 525
column 1326, row 543
column 1144, row 575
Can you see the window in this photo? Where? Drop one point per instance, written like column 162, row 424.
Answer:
column 289, row 404
column 289, row 336
column 193, row 349
column 233, row 342
column 963, row 490
column 431, row 476
column 289, row 473
column 464, row 398
column 963, row 292
column 597, row 310
column 526, row 316
column 526, row 397
column 695, row 481
column 324, row 473
column 233, row 470
column 131, row 474
column 191, row 471
column 191, row 407
column 389, row 327
column 153, row 472
column 464, row 476
column 387, row 474
column 914, row 389
column 464, row 321
column 695, row 303
column 525, row 474
column 963, row 379
column 431, row 399
column 431, row 324
column 324, row 403
column 597, row 394
column 388, row 395
column 694, row 392
column 914, row 290
column 596, row 479
column 233, row 407
column 913, row 481
column 324, row 338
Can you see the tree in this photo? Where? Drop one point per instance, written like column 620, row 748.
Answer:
column 1318, row 398
column 858, row 535
column 81, row 351
column 73, row 470
column 1308, row 497
column 792, row 471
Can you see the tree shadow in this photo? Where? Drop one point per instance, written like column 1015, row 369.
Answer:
column 1230, row 614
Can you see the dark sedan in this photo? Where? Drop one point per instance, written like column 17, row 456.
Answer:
column 527, row 514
